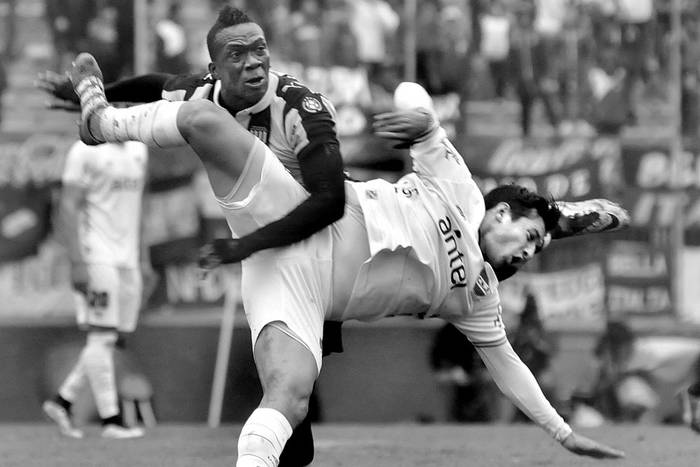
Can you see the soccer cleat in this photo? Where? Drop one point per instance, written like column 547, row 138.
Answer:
column 590, row 216
column 60, row 416
column 86, row 77
column 112, row 431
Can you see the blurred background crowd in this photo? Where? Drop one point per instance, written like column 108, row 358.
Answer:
column 585, row 98
column 585, row 61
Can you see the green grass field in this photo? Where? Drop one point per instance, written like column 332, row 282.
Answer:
column 352, row 445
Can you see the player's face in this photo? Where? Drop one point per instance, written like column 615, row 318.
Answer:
column 241, row 62
column 508, row 241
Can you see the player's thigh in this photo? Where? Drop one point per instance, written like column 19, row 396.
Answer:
column 130, row 297
column 291, row 286
column 266, row 193
column 213, row 132
column 99, row 307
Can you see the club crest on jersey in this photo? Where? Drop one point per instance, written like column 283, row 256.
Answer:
column 482, row 286
column 311, row 105
column 260, row 132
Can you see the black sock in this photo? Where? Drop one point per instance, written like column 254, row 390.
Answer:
column 66, row 404
column 113, row 420
column 694, row 389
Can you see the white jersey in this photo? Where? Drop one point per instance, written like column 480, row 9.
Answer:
column 423, row 235
column 113, row 177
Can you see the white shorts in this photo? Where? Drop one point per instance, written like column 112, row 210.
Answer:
column 113, row 299
column 290, row 284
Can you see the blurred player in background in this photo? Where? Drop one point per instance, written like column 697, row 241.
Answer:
column 421, row 247
column 100, row 222
column 296, row 123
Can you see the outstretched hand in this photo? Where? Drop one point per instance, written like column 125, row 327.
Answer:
column 579, row 444
column 406, row 125
column 222, row 251
column 61, row 90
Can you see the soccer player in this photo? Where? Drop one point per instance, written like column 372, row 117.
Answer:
column 99, row 219
column 296, row 123
column 423, row 247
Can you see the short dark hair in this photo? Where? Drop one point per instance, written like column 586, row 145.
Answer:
column 522, row 201
column 228, row 16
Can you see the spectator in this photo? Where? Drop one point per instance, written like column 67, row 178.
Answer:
column 102, row 40
column 68, row 20
column 428, row 46
column 372, row 23
column 3, row 82
column 340, row 45
column 603, row 99
column 690, row 75
column 306, row 33
column 494, row 44
column 171, row 43
column 458, row 367
column 636, row 41
column 529, row 70
column 454, row 30
column 536, row 349
column 279, row 29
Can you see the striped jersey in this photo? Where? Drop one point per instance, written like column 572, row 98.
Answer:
column 112, row 177
column 290, row 118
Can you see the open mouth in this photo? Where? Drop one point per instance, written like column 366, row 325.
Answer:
column 257, row 81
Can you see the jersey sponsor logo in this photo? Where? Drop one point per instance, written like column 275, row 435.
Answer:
column 311, row 105
column 458, row 272
column 260, row 132
column 482, row 286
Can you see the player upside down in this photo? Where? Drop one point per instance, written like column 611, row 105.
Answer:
column 425, row 246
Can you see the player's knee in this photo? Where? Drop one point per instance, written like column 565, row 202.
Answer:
column 197, row 116
column 291, row 397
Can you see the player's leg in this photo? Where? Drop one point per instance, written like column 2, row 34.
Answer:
column 287, row 371
column 102, row 320
column 58, row 408
column 219, row 140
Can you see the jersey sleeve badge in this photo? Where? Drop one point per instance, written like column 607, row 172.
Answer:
column 311, row 105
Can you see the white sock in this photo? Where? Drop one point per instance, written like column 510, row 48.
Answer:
column 99, row 367
column 262, row 438
column 154, row 124
column 75, row 380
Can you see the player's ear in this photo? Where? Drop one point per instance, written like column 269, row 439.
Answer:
column 502, row 209
column 212, row 70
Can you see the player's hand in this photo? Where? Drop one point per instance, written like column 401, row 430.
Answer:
column 60, row 88
column 405, row 125
column 222, row 251
column 79, row 278
column 583, row 446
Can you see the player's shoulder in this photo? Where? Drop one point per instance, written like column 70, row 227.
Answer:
column 183, row 87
